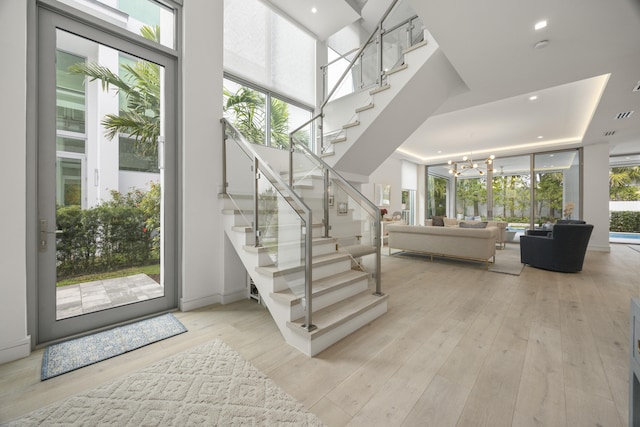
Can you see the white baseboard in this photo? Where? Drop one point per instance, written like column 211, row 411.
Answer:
column 188, row 305
column 16, row 350
column 234, row 296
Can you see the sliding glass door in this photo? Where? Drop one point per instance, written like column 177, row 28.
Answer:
column 527, row 191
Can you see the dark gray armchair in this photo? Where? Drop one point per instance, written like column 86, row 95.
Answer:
column 563, row 249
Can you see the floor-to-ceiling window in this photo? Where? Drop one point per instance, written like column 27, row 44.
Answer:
column 557, row 187
column 527, row 191
column 438, row 185
column 624, row 199
column 264, row 117
column 512, row 191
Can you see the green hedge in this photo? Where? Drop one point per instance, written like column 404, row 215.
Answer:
column 121, row 233
column 625, row 221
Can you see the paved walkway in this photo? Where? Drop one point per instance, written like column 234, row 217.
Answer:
column 83, row 298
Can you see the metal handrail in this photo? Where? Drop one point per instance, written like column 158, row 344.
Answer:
column 355, row 58
column 305, row 215
column 354, row 193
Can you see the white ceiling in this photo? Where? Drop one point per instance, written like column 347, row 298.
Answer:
column 583, row 78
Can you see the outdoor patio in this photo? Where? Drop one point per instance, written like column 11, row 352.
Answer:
column 74, row 300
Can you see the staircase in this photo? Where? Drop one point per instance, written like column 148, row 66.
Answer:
column 308, row 239
column 343, row 293
column 361, row 130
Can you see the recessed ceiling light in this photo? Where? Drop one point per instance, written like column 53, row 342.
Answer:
column 314, row 10
column 540, row 25
column 533, row 97
column 439, row 151
column 540, row 136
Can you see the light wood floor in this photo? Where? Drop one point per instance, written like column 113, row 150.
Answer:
column 459, row 346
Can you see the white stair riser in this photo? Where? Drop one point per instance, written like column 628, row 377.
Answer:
column 244, row 203
column 325, row 300
column 324, row 341
column 296, row 279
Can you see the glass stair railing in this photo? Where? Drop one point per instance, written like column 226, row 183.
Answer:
column 361, row 73
column 279, row 219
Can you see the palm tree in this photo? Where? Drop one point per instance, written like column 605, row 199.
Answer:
column 621, row 182
column 140, row 86
column 247, row 111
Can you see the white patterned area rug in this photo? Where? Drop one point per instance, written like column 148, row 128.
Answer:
column 209, row 385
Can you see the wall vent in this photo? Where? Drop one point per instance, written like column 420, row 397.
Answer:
column 624, row 115
column 637, row 87
column 609, row 133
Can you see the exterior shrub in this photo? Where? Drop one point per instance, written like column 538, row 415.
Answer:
column 625, row 221
column 123, row 232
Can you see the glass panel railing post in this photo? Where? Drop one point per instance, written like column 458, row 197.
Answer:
column 256, row 180
column 325, row 203
column 380, row 71
column 224, row 156
column 308, row 324
column 291, row 150
column 378, row 242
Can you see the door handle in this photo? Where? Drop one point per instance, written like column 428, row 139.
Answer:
column 44, row 232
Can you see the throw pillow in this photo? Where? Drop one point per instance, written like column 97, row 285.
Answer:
column 450, row 222
column 482, row 224
column 438, row 221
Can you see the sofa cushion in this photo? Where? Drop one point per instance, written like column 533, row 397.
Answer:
column 438, row 221
column 450, row 222
column 482, row 224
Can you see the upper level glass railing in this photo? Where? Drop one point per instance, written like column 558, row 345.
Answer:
column 367, row 67
column 280, row 221
column 351, row 81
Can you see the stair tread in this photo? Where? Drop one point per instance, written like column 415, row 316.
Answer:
column 415, row 46
column 333, row 316
column 352, row 124
column 315, row 262
column 314, row 241
column 379, row 89
column 397, row 69
column 364, row 108
column 322, row 286
column 358, row 250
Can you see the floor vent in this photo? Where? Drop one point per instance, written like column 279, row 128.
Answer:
column 624, row 115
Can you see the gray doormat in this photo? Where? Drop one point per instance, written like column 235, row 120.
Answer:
column 74, row 354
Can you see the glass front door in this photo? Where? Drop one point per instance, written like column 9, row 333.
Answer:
column 106, row 179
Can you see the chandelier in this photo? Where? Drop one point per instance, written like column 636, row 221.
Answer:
column 467, row 164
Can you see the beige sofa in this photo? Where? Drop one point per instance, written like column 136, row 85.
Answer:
column 501, row 236
column 477, row 244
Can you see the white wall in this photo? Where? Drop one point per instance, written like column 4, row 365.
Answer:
column 389, row 172
column 596, row 194
column 14, row 340
column 624, row 206
column 203, row 243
